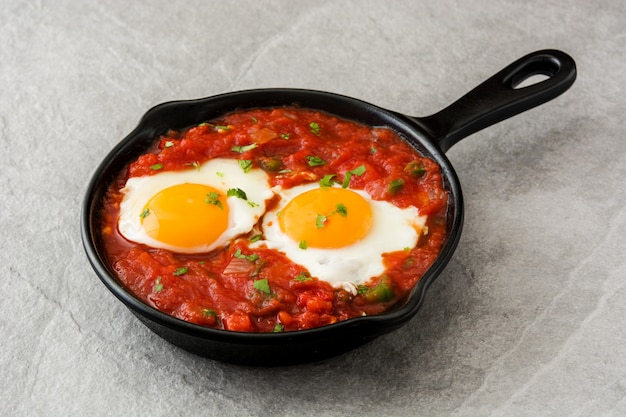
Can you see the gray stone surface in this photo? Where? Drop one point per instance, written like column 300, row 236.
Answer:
column 527, row 320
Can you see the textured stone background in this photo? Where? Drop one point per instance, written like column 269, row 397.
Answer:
column 527, row 320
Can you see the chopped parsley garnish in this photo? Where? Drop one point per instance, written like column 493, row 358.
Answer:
column 415, row 168
column 302, row 277
column 303, row 245
column 240, row 255
column 279, row 328
column 327, row 180
column 256, row 238
column 156, row 167
column 245, row 148
column 194, row 164
column 169, row 143
column 341, row 209
column 145, row 213
column 181, row 271
column 219, row 127
column 245, row 164
column 320, row 221
column 315, row 161
column 255, row 120
column 219, row 174
column 237, row 192
column 285, row 136
column 358, row 171
column 373, row 150
column 395, row 186
column 315, row 128
column 262, row 285
column 214, row 199
column 158, row 286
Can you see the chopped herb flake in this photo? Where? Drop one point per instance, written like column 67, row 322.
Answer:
column 256, row 238
column 181, row 271
column 415, row 168
column 315, row 128
column 245, row 148
column 327, row 180
column 262, row 285
column 279, row 328
column 169, row 143
column 156, row 167
column 342, row 210
column 395, row 186
column 303, row 245
column 194, row 164
column 315, row 161
column 145, row 213
column 240, row 255
column 358, row 171
column 285, row 136
column 302, row 277
column 237, row 192
column 222, row 127
column 245, row 164
column 214, row 199
column 220, row 174
column 320, row 221
column 158, row 286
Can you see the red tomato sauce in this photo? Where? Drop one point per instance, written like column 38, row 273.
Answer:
column 268, row 292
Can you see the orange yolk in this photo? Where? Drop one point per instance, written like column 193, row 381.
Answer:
column 326, row 218
column 186, row 215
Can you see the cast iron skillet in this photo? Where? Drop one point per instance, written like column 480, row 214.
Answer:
column 494, row 100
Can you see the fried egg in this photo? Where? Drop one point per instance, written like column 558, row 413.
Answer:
column 195, row 210
column 339, row 234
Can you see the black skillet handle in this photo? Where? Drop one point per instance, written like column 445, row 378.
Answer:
column 497, row 98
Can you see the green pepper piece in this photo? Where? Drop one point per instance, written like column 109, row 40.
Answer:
column 271, row 164
column 381, row 293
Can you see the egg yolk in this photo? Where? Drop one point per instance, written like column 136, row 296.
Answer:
column 326, row 218
column 186, row 215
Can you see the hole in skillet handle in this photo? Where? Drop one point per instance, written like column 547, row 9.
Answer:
column 503, row 95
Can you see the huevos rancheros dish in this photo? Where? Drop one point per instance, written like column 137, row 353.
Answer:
column 274, row 220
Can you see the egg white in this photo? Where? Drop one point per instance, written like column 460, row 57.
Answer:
column 221, row 174
column 393, row 229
